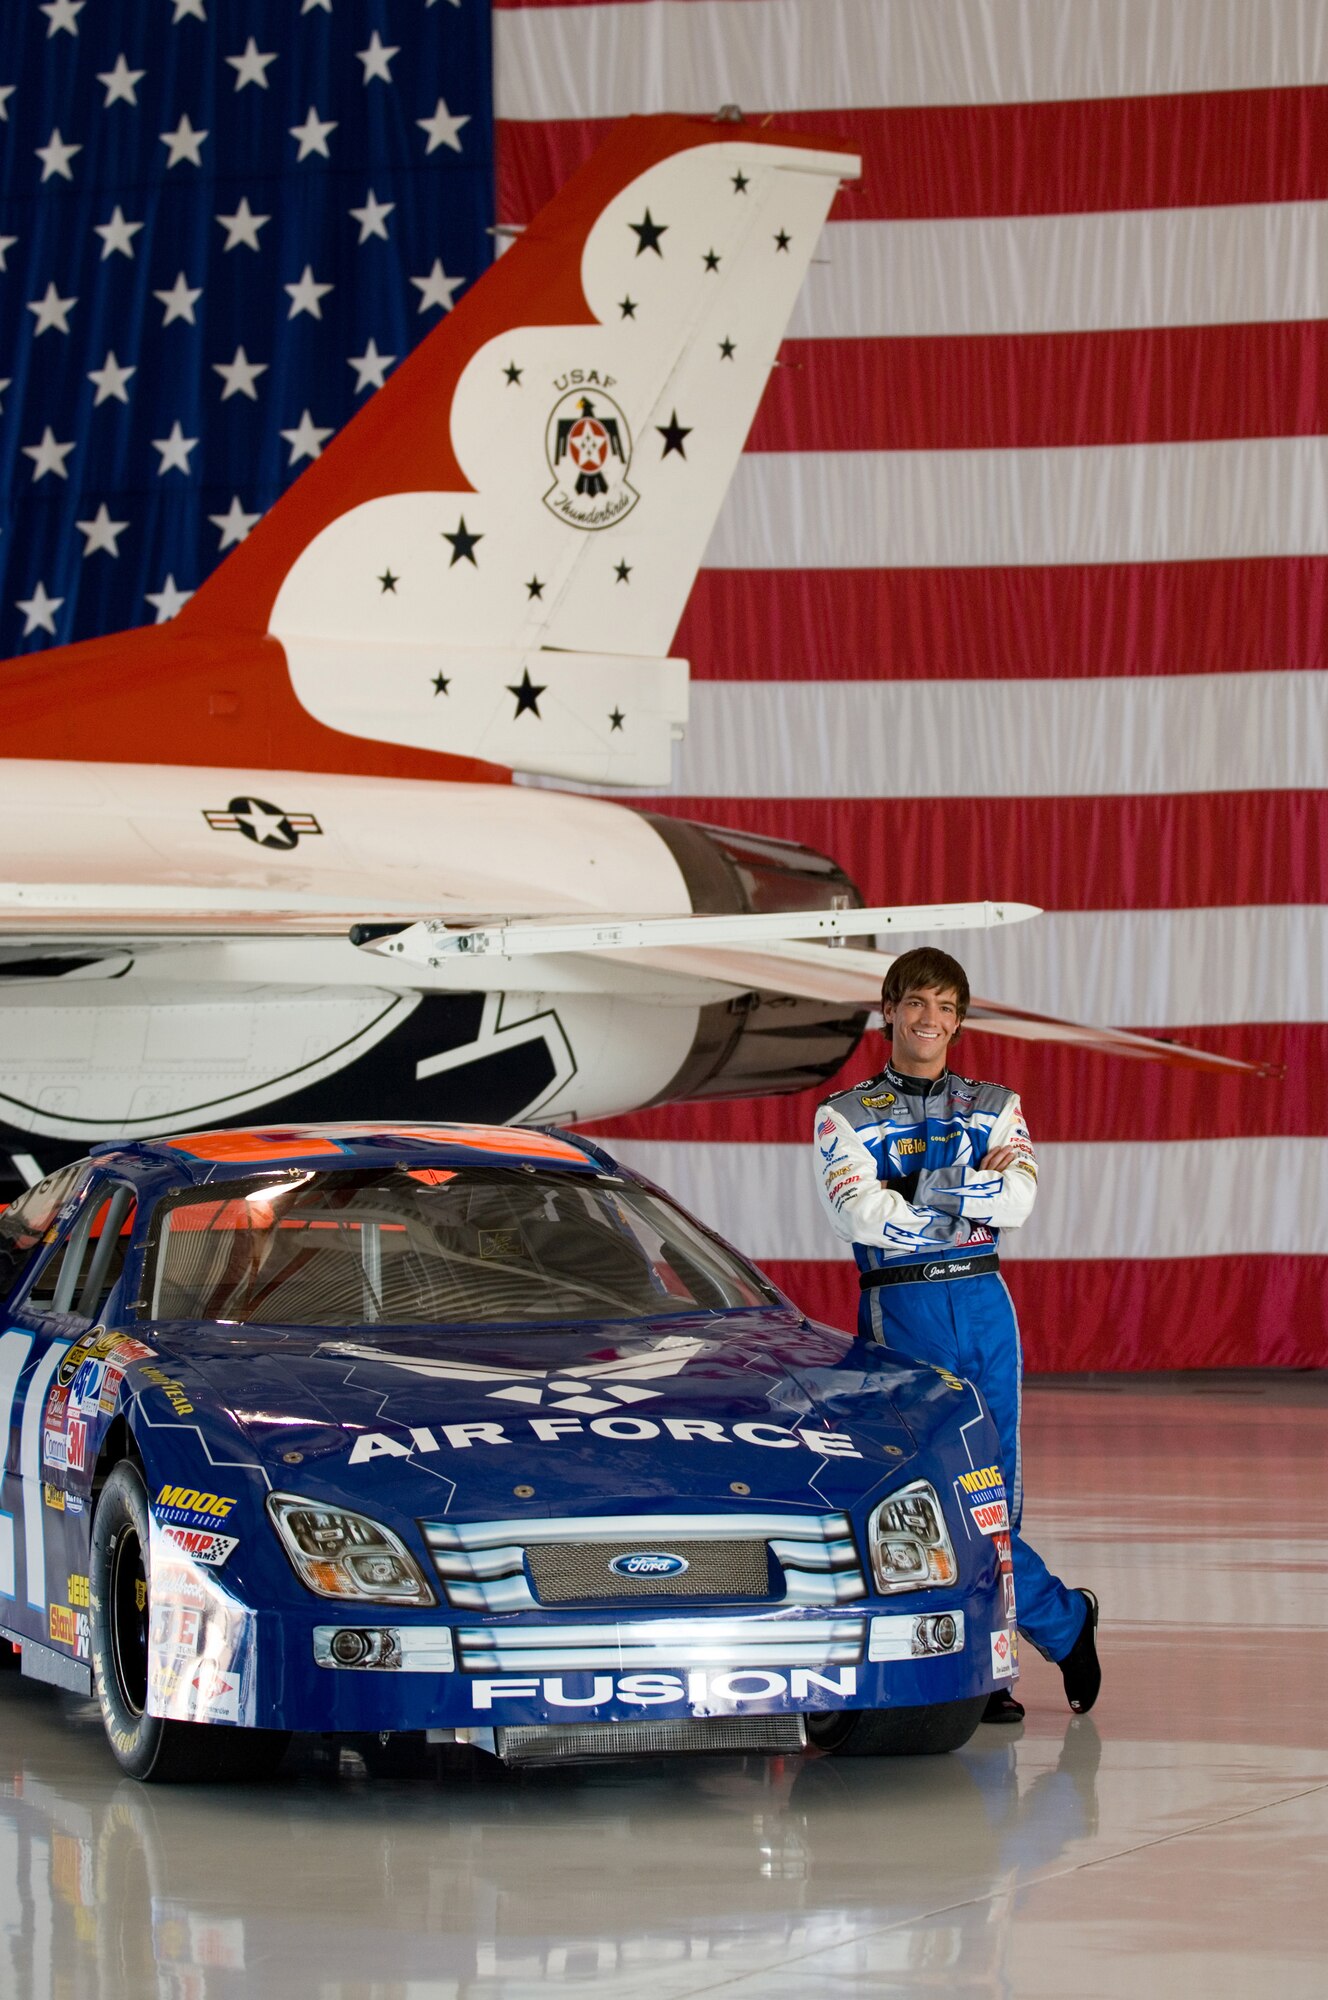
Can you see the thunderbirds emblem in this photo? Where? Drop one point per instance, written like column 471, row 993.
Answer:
column 590, row 450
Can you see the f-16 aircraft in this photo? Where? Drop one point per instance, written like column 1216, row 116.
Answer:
column 268, row 860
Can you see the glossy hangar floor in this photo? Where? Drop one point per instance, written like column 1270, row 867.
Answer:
column 1173, row 1844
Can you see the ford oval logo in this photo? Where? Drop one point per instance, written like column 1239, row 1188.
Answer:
column 648, row 1563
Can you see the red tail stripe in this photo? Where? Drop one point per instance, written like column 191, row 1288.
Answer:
column 1148, row 1313
column 1196, row 149
column 1256, row 614
column 1152, row 385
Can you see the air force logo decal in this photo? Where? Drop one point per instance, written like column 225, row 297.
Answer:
column 589, row 448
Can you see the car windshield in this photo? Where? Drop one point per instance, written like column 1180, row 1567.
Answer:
column 421, row 1246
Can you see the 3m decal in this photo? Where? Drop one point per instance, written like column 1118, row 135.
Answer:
column 699, row 1688
column 617, row 1429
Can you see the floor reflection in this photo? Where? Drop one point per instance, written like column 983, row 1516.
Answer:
column 1162, row 1846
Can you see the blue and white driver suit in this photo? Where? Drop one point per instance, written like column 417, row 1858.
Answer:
column 898, row 1166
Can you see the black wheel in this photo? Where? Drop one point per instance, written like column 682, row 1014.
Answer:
column 120, row 1589
column 897, row 1732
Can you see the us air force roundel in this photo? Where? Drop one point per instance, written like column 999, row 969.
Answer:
column 589, row 449
column 261, row 822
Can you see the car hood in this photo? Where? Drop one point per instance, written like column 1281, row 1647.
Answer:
column 570, row 1420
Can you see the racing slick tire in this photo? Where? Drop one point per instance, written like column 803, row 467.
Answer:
column 897, row 1732
column 148, row 1747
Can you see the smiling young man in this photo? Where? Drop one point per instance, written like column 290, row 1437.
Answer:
column 920, row 1169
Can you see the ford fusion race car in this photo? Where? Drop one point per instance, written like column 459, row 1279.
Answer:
column 468, row 1434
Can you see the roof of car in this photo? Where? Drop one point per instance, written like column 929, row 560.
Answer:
column 196, row 1156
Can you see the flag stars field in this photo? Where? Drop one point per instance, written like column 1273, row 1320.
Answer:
column 117, row 235
column 200, row 265
column 39, row 611
column 111, row 381
column 313, row 135
column 238, row 375
column 306, row 295
column 55, row 156
column 242, row 227
column 184, row 143
column 121, row 83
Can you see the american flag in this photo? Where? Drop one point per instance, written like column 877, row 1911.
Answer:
column 1021, row 591
column 221, row 224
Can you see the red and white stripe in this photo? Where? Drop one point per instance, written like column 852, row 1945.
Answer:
column 1022, row 590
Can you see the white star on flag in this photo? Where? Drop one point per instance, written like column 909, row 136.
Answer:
column 48, row 456
column 306, row 440
column 55, row 156
column 6, row 92
column 250, row 66
column 39, row 611
column 442, row 128
column 184, row 143
column 370, row 367
column 110, row 380
column 62, row 14
column 179, row 301
column 194, row 9
column 306, row 294
column 239, row 375
column 377, row 59
column 168, row 600
column 101, row 533
column 117, row 234
column 437, row 288
column 312, row 135
column 243, row 226
column 174, row 450
column 6, row 245
column 309, row 5
column 51, row 311
column 121, row 83
column 6, row 382
column 372, row 218
column 234, row 523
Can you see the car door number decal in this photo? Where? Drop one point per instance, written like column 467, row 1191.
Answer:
column 15, row 1347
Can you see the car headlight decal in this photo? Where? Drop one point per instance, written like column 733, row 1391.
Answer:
column 909, row 1543
column 337, row 1553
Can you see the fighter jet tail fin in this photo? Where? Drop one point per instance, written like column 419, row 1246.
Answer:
column 491, row 559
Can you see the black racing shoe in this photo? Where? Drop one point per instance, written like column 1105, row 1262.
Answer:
column 1002, row 1707
column 1080, row 1669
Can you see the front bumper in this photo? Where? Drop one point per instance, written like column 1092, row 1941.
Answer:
column 432, row 1673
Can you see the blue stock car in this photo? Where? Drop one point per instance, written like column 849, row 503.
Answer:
column 467, row 1435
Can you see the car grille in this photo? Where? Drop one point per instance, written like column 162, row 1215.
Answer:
column 581, row 1743
column 781, row 1556
column 576, row 1572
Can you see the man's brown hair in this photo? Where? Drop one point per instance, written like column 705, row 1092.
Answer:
column 925, row 970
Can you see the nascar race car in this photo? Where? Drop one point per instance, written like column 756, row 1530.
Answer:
column 469, row 1435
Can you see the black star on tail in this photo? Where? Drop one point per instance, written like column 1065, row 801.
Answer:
column 463, row 544
column 673, row 434
column 648, row 234
column 527, row 696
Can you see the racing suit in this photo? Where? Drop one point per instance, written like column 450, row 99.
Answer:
column 897, row 1163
